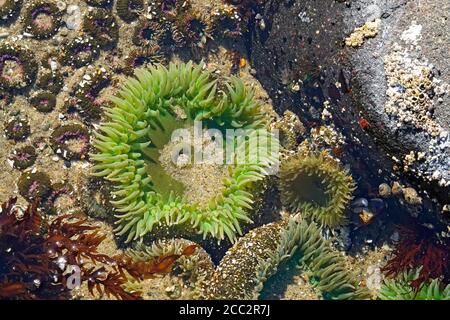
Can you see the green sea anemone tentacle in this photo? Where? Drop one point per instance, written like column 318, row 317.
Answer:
column 133, row 139
column 258, row 255
column 399, row 288
column 316, row 185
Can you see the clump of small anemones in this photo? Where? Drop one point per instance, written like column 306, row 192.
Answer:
column 23, row 157
column 70, row 142
column 147, row 33
column 51, row 81
column 42, row 19
column 34, row 186
column 9, row 10
column 102, row 26
column 18, row 67
column 43, row 101
column 128, row 10
column 17, row 128
column 80, row 52
column 142, row 57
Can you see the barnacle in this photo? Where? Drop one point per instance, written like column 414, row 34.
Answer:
column 42, row 19
column 43, row 101
column 258, row 255
column 128, row 10
column 51, row 81
column 102, row 26
column 142, row 58
column 9, row 10
column 135, row 149
column 80, row 52
column 399, row 288
column 316, row 185
column 70, row 141
column 17, row 128
column 34, row 185
column 99, row 3
column 148, row 33
column 18, row 68
column 87, row 94
column 23, row 157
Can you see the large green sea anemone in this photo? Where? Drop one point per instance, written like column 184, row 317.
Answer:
column 134, row 137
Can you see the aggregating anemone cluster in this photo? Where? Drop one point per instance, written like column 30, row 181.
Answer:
column 92, row 94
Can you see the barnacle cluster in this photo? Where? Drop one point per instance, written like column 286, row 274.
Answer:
column 139, row 126
column 260, row 254
column 360, row 34
column 411, row 91
column 315, row 184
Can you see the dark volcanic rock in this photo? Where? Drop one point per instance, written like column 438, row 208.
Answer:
column 301, row 60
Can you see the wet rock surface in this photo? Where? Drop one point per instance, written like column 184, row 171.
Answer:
column 325, row 77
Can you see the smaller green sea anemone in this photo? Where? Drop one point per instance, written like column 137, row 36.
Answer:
column 316, row 185
column 399, row 288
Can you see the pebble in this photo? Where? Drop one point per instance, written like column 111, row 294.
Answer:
column 384, row 190
column 397, row 189
column 4, row 34
column 377, row 204
column 61, row 5
column 411, row 196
